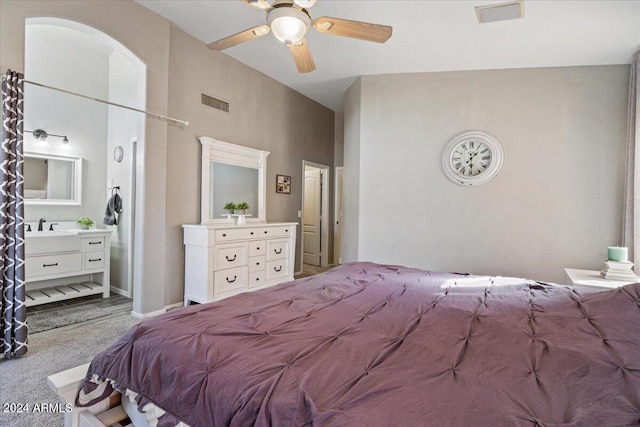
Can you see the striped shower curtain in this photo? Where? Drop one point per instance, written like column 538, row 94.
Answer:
column 13, row 322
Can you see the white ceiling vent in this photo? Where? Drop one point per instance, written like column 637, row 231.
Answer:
column 212, row 102
column 500, row 11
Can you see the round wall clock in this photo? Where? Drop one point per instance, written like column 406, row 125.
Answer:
column 472, row 158
column 118, row 153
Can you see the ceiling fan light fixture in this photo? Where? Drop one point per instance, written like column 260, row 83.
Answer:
column 288, row 25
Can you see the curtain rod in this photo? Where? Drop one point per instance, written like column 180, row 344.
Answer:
column 154, row 115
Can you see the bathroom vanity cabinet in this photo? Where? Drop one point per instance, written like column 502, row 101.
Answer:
column 60, row 265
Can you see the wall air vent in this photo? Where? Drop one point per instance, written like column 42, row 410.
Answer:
column 500, row 11
column 212, row 102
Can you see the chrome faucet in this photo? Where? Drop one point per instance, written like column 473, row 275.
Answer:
column 40, row 223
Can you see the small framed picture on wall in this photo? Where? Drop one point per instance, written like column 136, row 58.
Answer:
column 283, row 184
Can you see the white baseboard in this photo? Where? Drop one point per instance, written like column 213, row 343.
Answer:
column 172, row 306
column 158, row 312
column 147, row 315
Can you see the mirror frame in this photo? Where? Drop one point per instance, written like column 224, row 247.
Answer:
column 217, row 151
column 77, row 184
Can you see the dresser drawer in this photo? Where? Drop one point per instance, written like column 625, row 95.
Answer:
column 281, row 231
column 277, row 249
column 229, row 234
column 257, row 247
column 93, row 243
column 52, row 264
column 94, row 260
column 257, row 278
column 257, row 263
column 228, row 256
column 277, row 269
column 230, row 279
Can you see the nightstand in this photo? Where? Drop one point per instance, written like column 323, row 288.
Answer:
column 591, row 278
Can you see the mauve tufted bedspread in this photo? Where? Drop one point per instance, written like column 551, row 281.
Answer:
column 374, row 345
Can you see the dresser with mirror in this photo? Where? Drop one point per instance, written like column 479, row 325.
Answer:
column 224, row 258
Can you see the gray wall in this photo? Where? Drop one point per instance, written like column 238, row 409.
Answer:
column 556, row 203
column 351, row 177
column 264, row 114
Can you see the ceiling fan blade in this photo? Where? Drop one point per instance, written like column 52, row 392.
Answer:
column 354, row 29
column 258, row 4
column 302, row 56
column 236, row 39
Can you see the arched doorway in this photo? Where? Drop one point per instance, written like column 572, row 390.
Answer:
column 75, row 57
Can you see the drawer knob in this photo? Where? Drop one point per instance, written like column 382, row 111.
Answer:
column 94, row 243
column 258, row 248
column 286, row 231
column 231, row 280
column 257, row 263
column 257, row 279
column 232, row 259
column 252, row 233
column 94, row 260
column 265, row 231
column 224, row 234
column 50, row 265
column 278, row 251
column 278, row 269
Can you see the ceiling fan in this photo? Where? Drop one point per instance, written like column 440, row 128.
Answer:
column 289, row 20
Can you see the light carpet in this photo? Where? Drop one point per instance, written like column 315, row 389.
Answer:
column 23, row 380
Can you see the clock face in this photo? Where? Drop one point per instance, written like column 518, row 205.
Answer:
column 472, row 158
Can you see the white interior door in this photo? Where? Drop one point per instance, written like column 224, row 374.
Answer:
column 311, row 216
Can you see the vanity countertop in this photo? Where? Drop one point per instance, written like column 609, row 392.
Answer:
column 67, row 232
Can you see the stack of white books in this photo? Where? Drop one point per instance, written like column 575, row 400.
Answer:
column 618, row 270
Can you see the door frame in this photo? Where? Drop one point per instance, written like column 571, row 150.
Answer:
column 324, row 214
column 337, row 227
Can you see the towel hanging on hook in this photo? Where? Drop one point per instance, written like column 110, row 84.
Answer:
column 114, row 207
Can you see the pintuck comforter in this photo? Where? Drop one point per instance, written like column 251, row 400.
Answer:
column 374, row 345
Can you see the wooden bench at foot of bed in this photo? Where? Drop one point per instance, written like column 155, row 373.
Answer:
column 66, row 384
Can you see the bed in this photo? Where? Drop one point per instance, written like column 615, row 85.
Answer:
column 377, row 345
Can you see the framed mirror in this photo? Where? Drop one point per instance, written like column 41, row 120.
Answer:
column 232, row 174
column 51, row 179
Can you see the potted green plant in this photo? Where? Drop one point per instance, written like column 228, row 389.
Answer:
column 242, row 207
column 230, row 207
column 85, row 222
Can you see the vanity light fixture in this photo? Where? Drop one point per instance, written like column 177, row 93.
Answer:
column 42, row 135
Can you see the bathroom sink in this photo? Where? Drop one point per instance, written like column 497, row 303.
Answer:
column 50, row 233
column 43, row 242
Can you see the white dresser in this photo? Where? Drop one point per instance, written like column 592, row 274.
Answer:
column 222, row 260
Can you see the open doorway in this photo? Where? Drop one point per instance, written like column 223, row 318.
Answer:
column 315, row 216
column 77, row 58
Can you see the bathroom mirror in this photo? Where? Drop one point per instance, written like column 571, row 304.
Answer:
column 232, row 173
column 52, row 179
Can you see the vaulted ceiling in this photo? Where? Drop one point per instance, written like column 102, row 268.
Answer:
column 437, row 35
